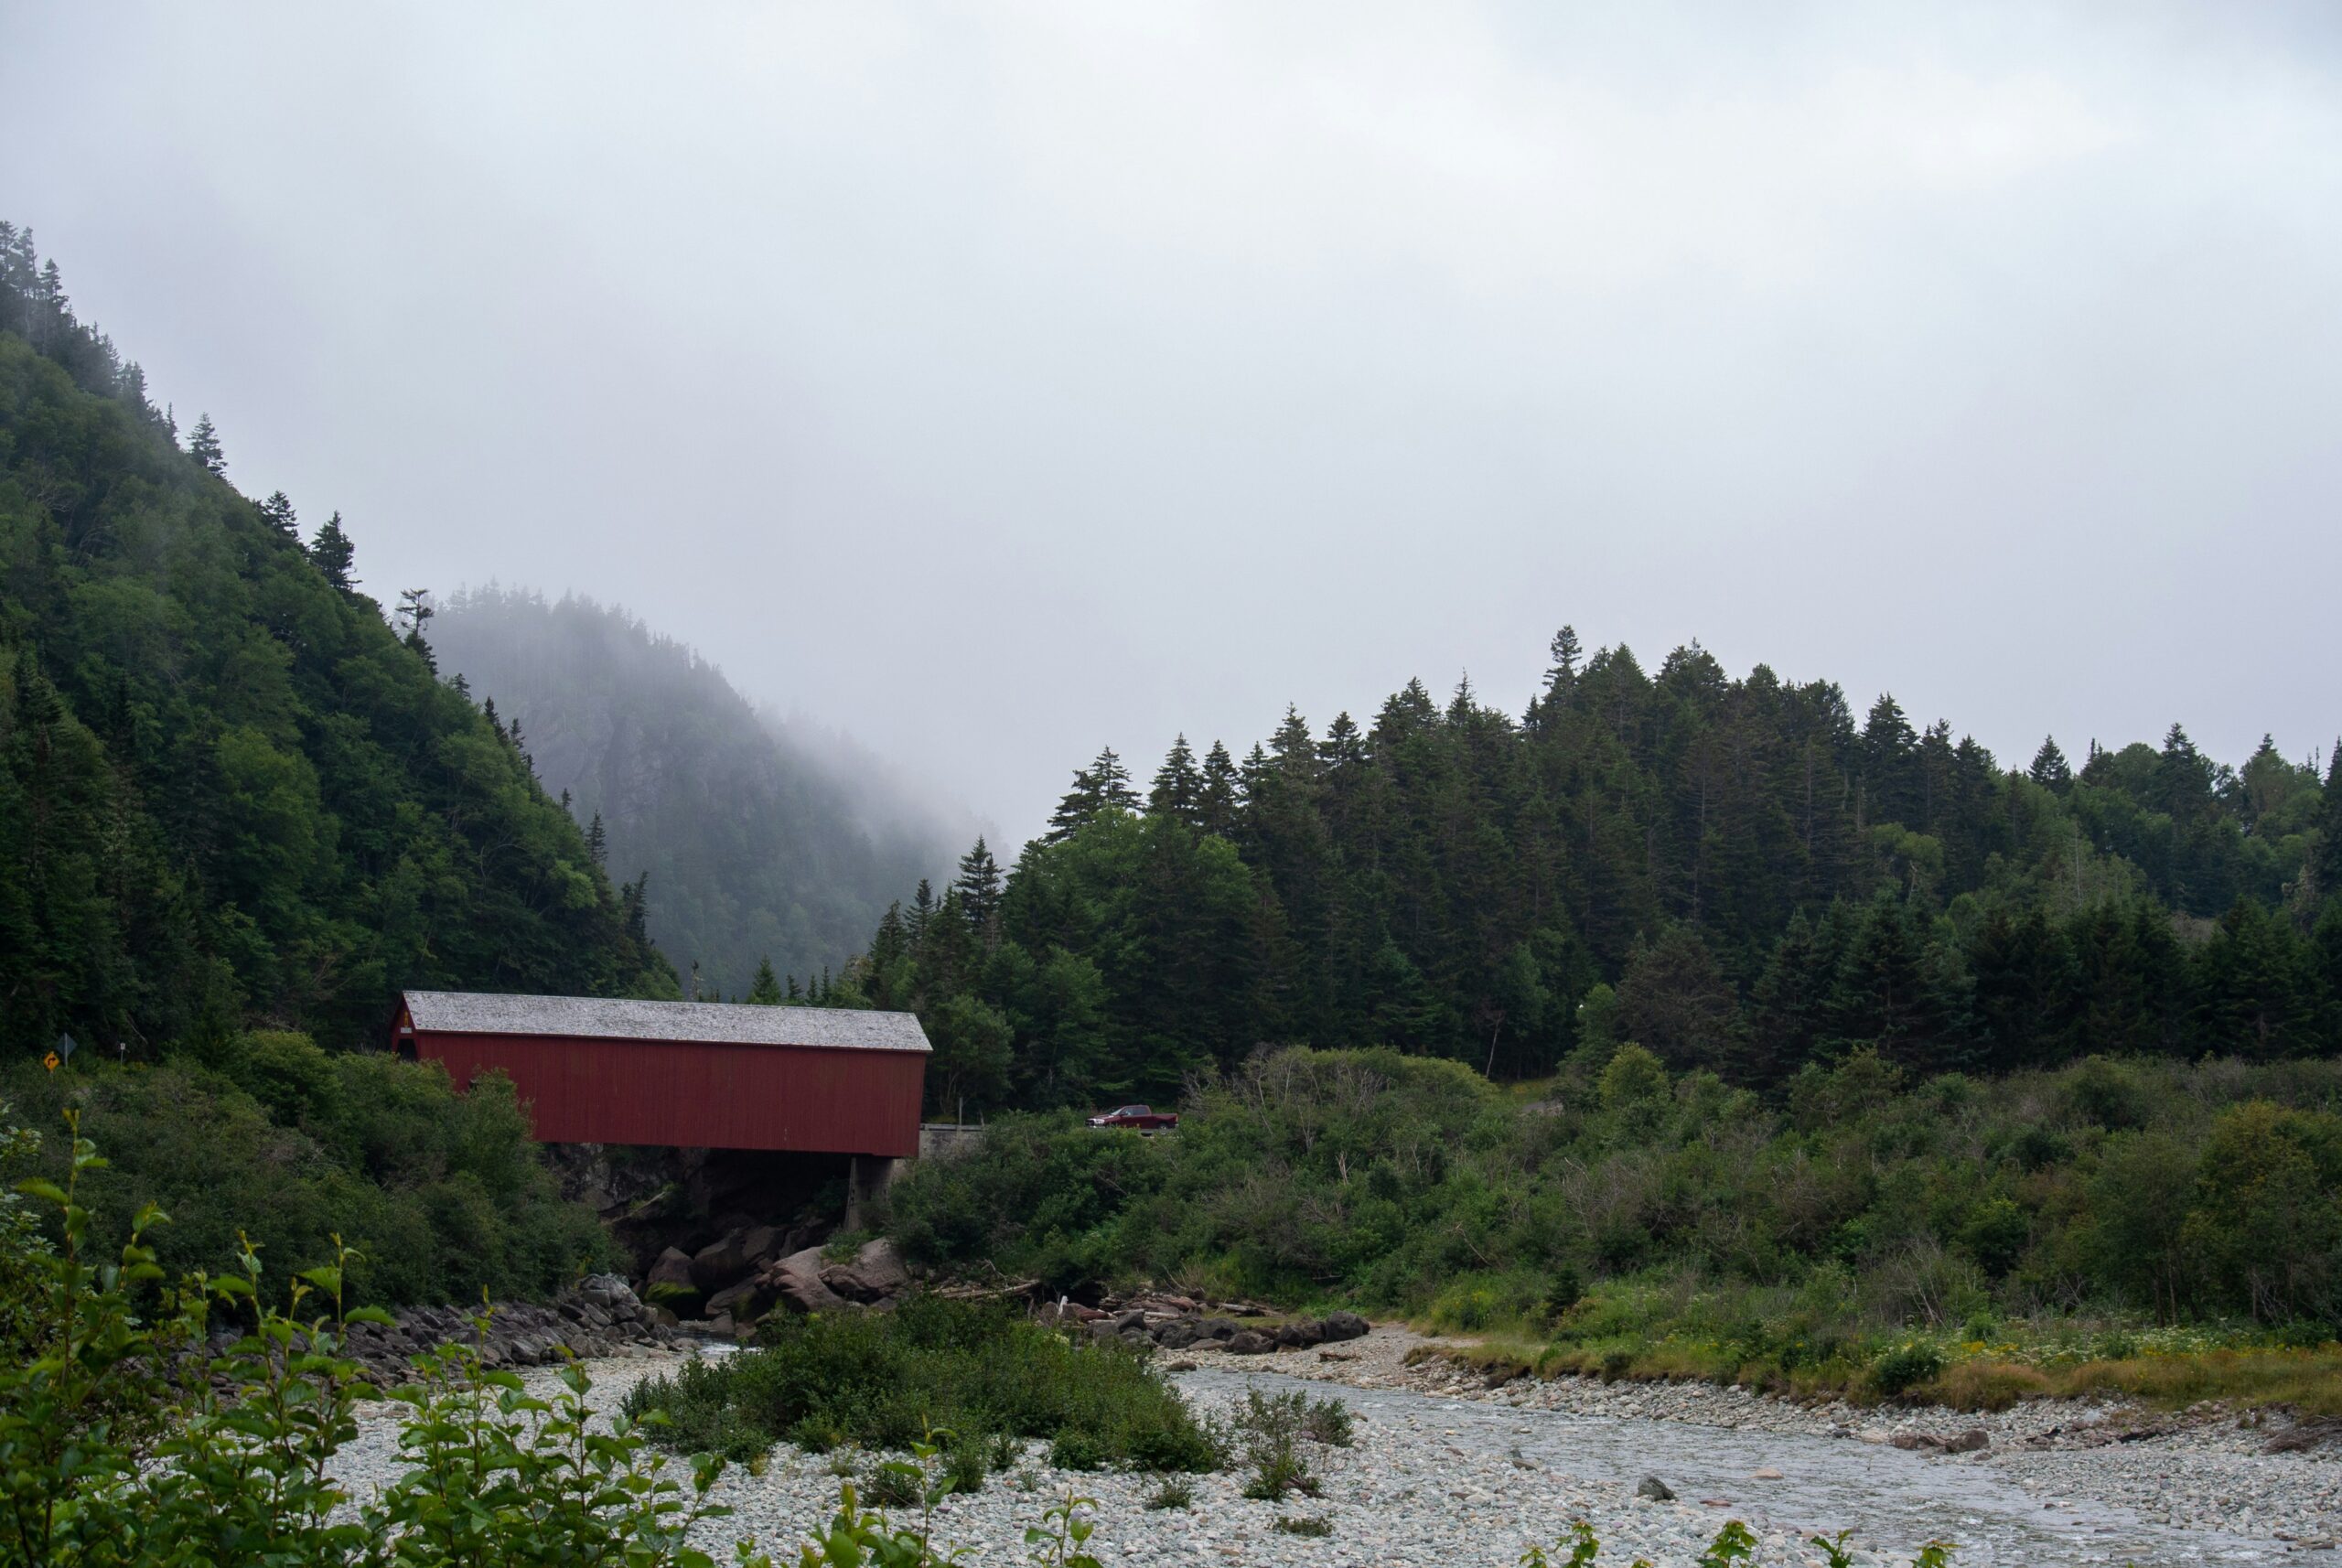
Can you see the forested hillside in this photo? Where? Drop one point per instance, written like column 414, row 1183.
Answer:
column 754, row 846
column 230, row 793
column 1736, row 872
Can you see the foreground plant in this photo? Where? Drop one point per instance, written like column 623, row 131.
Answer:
column 1736, row 1542
column 123, row 1447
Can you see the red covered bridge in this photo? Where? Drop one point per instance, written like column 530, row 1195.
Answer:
column 692, row 1075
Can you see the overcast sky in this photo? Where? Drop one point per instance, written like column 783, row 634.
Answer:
column 998, row 382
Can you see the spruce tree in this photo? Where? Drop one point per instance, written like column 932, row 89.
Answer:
column 334, row 553
column 414, row 608
column 1217, row 797
column 1178, row 788
column 2050, row 770
column 278, row 510
column 979, row 887
column 1560, row 679
column 765, row 990
column 598, row 842
column 203, row 445
column 2326, row 859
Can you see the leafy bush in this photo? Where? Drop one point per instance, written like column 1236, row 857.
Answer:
column 1781, row 1243
column 1176, row 1492
column 121, row 1446
column 1906, row 1367
column 443, row 1195
column 885, row 1379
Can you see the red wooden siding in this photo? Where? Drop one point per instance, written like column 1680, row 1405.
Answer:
column 696, row 1094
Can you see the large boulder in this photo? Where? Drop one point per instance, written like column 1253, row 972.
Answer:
column 1177, row 1334
column 875, row 1273
column 1245, row 1342
column 761, row 1245
column 880, row 1267
column 797, row 1280
column 1219, row 1328
column 611, row 1293
column 1345, row 1325
column 1301, row 1335
column 745, row 1301
column 719, row 1263
column 673, row 1267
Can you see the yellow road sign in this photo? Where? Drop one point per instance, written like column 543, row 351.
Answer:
column 51, row 1061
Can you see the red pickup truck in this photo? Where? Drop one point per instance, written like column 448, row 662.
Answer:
column 1139, row 1116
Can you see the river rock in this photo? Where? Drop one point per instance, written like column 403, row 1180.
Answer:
column 743, row 1302
column 797, row 1279
column 673, row 1267
column 1346, row 1326
column 719, row 1263
column 876, row 1273
column 1654, row 1489
column 1245, row 1342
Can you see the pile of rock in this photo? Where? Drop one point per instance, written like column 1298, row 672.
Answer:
column 742, row 1276
column 601, row 1317
column 1176, row 1323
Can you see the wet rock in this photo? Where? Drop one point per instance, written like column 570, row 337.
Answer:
column 1654, row 1489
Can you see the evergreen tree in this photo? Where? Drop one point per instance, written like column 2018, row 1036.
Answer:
column 334, row 553
column 1103, row 785
column 2049, row 766
column 1178, row 788
column 1561, row 678
column 2256, row 987
column 278, row 510
column 979, row 887
column 922, row 916
column 2325, row 856
column 2024, row 979
column 598, row 843
column 415, row 610
column 764, row 991
column 1675, row 1002
column 1219, row 793
column 203, row 445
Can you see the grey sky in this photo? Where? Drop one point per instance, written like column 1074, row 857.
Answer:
column 994, row 383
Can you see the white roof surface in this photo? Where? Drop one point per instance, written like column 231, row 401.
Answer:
column 709, row 1023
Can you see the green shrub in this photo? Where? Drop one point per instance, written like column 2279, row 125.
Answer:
column 1313, row 1527
column 116, row 1449
column 444, row 1195
column 1906, row 1367
column 885, row 1379
column 1175, row 1492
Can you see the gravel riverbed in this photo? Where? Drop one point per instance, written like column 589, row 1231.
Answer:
column 1445, row 1472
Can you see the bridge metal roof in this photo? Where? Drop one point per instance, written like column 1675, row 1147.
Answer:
column 702, row 1023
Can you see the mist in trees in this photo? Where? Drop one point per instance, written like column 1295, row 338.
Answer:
column 763, row 843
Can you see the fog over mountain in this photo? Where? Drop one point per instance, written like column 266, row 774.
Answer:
column 1000, row 383
column 761, row 838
